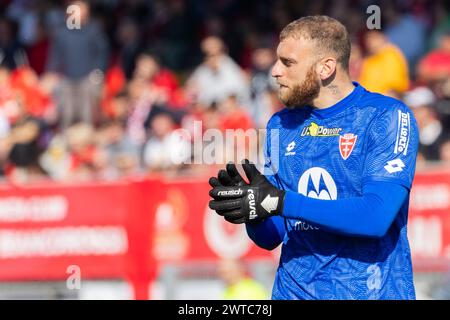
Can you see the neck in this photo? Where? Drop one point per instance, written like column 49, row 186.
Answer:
column 333, row 92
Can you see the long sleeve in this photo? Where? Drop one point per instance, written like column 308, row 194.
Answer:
column 267, row 234
column 370, row 215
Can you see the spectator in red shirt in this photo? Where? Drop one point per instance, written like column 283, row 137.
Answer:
column 86, row 158
column 233, row 115
column 435, row 66
column 114, row 85
column 160, row 79
column 38, row 103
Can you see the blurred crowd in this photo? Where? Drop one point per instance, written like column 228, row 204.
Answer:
column 105, row 100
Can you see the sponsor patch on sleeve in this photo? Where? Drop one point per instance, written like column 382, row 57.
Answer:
column 403, row 133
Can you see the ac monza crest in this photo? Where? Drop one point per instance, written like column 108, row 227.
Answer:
column 346, row 144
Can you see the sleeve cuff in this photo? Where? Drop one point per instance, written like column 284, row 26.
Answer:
column 292, row 204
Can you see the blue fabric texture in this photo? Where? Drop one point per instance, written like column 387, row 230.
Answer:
column 347, row 171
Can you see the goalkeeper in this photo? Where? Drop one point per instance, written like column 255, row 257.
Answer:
column 336, row 184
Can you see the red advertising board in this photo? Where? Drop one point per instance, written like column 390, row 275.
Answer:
column 45, row 229
column 184, row 220
column 102, row 229
column 126, row 229
column 186, row 229
column 429, row 221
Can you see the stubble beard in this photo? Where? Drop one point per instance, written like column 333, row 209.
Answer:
column 303, row 94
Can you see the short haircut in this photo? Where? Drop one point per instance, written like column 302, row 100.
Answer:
column 329, row 35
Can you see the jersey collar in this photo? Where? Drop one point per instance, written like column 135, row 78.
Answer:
column 340, row 106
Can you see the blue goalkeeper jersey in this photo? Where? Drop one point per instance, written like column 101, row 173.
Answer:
column 330, row 154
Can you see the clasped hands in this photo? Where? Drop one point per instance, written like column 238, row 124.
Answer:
column 239, row 201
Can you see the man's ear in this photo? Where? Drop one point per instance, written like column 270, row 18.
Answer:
column 327, row 68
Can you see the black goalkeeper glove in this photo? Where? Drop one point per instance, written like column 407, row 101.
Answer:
column 241, row 202
column 229, row 178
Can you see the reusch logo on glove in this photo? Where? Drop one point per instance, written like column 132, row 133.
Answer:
column 236, row 192
column 251, row 203
column 240, row 202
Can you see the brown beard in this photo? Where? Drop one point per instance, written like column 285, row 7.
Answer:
column 303, row 94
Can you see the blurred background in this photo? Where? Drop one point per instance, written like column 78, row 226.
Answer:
column 92, row 205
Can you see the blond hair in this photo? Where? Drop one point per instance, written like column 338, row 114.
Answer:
column 330, row 35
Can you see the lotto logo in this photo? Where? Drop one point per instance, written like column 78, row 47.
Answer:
column 396, row 165
column 290, row 146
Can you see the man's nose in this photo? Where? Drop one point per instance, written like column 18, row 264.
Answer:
column 276, row 72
